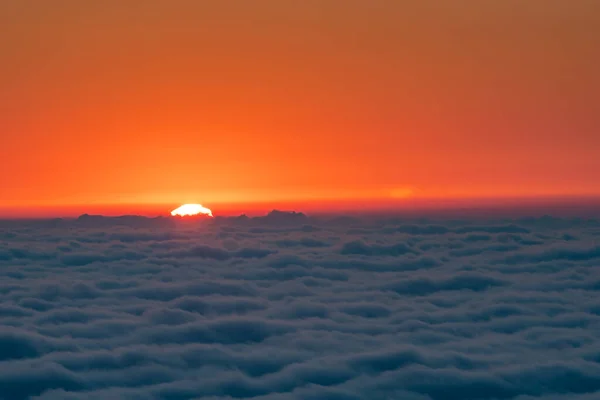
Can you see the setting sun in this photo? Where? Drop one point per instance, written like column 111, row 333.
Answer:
column 191, row 209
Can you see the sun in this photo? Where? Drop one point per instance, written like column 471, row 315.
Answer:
column 187, row 210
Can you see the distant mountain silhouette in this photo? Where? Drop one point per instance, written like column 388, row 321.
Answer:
column 275, row 217
column 99, row 221
column 285, row 217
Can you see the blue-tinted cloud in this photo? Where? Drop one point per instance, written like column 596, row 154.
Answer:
column 293, row 307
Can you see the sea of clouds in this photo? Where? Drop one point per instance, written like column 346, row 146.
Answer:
column 291, row 307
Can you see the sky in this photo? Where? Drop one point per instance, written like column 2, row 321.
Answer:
column 140, row 103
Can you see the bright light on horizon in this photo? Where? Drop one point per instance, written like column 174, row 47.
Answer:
column 190, row 210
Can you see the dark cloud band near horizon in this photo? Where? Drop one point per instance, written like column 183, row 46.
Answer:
column 296, row 307
column 559, row 206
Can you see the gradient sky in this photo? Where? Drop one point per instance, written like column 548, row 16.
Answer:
column 152, row 102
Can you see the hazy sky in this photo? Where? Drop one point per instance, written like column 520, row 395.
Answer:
column 237, row 101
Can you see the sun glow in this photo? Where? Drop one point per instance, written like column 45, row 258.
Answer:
column 190, row 210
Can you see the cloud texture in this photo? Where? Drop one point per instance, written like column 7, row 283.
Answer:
column 291, row 307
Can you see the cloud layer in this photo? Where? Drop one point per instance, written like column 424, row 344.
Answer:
column 291, row 307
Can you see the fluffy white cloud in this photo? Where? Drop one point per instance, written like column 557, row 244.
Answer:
column 291, row 307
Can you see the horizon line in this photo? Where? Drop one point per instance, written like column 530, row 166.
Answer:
column 315, row 207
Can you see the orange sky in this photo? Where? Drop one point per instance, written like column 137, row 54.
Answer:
column 270, row 101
